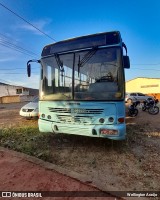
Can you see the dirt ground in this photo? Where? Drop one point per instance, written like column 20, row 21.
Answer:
column 132, row 165
column 20, row 174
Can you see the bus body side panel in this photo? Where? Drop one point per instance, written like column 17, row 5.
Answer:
column 94, row 119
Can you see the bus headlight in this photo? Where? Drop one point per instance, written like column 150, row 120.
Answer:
column 43, row 115
column 101, row 120
column 111, row 119
column 42, row 94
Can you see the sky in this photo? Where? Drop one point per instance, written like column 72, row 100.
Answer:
column 138, row 22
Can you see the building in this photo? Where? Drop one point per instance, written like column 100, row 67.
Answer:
column 10, row 90
column 12, row 93
column 144, row 85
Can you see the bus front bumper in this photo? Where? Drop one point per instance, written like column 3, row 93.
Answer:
column 114, row 132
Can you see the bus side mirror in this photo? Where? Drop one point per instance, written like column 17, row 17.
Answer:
column 126, row 62
column 29, row 66
column 28, row 69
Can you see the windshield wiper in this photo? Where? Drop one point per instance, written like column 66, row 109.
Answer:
column 59, row 62
column 86, row 57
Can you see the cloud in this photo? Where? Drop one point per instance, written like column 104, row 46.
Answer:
column 10, row 49
column 7, row 54
column 40, row 24
column 7, row 59
column 23, row 80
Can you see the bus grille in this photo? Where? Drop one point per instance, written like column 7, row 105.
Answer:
column 76, row 110
column 75, row 115
column 87, row 111
column 60, row 110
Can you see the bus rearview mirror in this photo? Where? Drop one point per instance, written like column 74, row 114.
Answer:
column 29, row 70
column 126, row 62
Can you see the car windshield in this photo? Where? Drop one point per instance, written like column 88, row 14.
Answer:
column 35, row 100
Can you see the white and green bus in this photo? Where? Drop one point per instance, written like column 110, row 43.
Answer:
column 82, row 86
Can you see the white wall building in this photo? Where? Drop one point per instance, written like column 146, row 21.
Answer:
column 9, row 90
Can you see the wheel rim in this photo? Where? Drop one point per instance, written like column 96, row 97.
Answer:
column 153, row 110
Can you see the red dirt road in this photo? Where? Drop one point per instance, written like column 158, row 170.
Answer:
column 19, row 172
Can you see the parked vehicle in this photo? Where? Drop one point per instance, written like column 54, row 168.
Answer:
column 130, row 97
column 132, row 110
column 30, row 110
column 151, row 106
column 74, row 99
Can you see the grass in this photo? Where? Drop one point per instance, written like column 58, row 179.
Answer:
column 128, row 160
column 27, row 140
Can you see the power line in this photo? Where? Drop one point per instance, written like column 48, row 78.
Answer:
column 14, row 48
column 18, row 73
column 8, row 82
column 145, row 69
column 10, row 69
column 34, row 67
column 7, row 43
column 27, row 22
column 12, row 73
column 45, row 33
column 11, row 83
column 38, row 72
column 148, row 64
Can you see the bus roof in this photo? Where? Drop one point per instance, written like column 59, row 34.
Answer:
column 83, row 42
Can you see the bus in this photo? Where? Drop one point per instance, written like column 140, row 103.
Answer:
column 82, row 86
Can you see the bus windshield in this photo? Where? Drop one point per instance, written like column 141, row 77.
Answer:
column 94, row 74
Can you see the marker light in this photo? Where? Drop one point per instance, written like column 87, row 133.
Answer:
column 43, row 115
column 101, row 120
column 48, row 117
column 121, row 120
column 110, row 119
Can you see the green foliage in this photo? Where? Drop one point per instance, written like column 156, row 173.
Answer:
column 27, row 140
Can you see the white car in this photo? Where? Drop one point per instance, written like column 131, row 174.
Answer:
column 136, row 96
column 30, row 110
